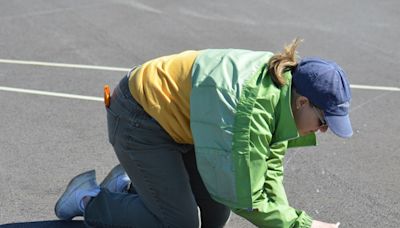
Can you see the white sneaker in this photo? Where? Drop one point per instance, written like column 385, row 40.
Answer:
column 117, row 180
column 69, row 204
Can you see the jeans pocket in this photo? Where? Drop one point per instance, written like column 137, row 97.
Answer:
column 112, row 125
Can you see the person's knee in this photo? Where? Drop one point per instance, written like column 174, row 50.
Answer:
column 215, row 217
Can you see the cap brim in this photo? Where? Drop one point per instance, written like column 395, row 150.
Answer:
column 340, row 125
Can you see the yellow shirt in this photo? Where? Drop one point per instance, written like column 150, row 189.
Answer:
column 162, row 87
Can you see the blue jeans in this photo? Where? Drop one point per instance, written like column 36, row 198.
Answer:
column 167, row 185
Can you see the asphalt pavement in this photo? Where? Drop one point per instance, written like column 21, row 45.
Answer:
column 45, row 140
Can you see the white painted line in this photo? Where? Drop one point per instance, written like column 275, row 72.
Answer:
column 91, row 67
column 53, row 94
column 91, row 98
column 65, row 65
column 375, row 87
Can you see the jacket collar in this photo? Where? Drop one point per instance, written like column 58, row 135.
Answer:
column 285, row 125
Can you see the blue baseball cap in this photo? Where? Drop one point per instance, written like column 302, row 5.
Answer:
column 326, row 85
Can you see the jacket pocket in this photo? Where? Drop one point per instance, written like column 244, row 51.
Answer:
column 112, row 125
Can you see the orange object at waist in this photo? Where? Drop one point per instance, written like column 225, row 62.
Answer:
column 107, row 95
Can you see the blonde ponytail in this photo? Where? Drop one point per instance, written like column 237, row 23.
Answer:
column 282, row 62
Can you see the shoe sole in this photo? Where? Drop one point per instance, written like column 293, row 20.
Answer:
column 116, row 171
column 74, row 184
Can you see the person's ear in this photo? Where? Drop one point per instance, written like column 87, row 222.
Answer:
column 301, row 102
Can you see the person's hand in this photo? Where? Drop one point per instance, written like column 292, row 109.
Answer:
column 318, row 224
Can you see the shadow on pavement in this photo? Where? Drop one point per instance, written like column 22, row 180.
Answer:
column 43, row 224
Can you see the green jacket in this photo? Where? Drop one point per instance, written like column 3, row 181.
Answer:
column 242, row 125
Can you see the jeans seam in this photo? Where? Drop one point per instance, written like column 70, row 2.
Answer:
column 157, row 199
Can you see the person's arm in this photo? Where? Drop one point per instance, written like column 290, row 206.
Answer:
column 275, row 210
column 274, row 176
column 266, row 174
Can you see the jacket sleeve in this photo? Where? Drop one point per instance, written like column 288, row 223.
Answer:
column 275, row 210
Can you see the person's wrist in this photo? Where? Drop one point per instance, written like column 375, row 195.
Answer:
column 319, row 224
column 313, row 224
